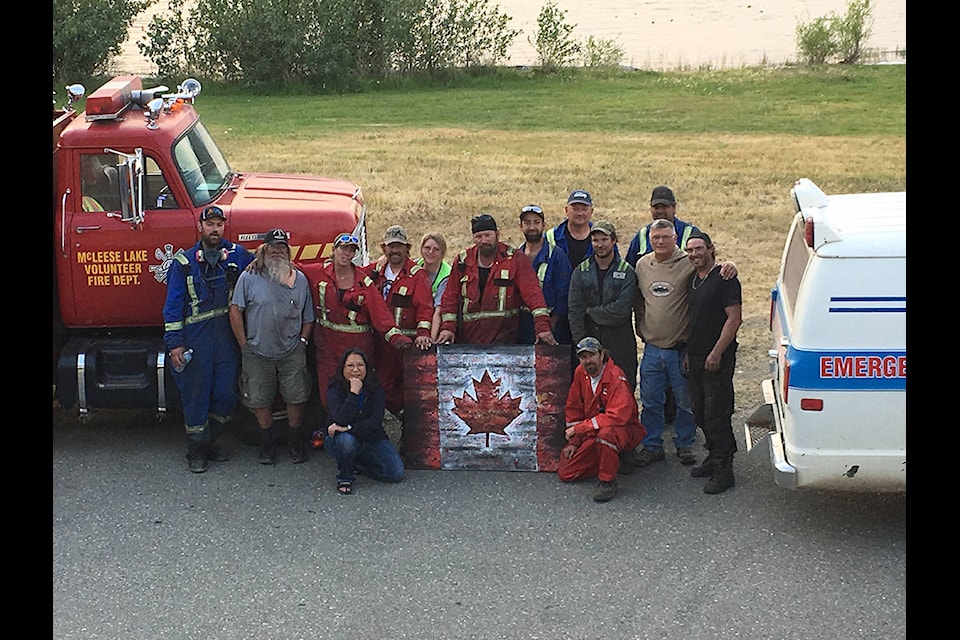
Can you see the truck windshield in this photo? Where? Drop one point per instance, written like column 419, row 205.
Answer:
column 204, row 170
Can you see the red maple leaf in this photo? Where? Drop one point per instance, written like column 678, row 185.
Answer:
column 489, row 413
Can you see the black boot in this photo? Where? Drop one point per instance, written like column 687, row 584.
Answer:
column 722, row 478
column 704, row 469
column 196, row 457
column 296, row 445
column 268, row 450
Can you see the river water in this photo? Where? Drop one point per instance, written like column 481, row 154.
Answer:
column 661, row 34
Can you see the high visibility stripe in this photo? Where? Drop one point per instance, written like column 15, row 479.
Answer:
column 173, row 326
column 480, row 315
column 206, row 315
column 686, row 235
column 343, row 328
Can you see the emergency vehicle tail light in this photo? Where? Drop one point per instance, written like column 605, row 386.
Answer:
column 808, row 231
column 811, row 404
column 786, row 381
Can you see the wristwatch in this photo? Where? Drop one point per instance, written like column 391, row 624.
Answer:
column 303, row 340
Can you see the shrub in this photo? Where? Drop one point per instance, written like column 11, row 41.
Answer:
column 601, row 53
column 88, row 33
column 553, row 41
column 836, row 37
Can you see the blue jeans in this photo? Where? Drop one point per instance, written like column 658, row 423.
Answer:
column 378, row 459
column 657, row 367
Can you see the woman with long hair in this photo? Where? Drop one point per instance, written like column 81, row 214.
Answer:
column 356, row 402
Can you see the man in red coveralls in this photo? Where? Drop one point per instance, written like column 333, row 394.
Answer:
column 602, row 420
column 409, row 298
column 489, row 282
column 349, row 309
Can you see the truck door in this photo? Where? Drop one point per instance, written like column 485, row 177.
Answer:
column 119, row 267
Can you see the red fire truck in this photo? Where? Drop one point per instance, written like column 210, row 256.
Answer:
column 130, row 175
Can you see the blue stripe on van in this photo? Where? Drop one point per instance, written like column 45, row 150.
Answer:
column 848, row 370
column 859, row 304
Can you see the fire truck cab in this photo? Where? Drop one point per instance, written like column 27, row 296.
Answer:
column 130, row 175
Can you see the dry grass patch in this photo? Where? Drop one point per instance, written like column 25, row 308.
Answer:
column 736, row 187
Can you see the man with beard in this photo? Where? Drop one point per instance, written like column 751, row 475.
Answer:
column 488, row 284
column 715, row 318
column 271, row 316
column 552, row 267
column 199, row 285
column 408, row 296
column 602, row 290
column 602, row 420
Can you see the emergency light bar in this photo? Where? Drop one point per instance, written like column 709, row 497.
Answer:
column 113, row 98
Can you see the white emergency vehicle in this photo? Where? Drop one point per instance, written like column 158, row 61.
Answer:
column 836, row 407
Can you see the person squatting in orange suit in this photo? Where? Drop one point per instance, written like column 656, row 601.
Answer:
column 602, row 420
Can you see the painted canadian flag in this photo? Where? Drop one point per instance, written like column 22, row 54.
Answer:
column 492, row 407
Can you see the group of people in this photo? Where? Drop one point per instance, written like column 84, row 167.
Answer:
column 251, row 316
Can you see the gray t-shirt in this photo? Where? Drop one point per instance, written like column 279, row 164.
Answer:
column 274, row 312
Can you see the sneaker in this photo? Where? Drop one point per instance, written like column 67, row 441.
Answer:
column 197, row 464
column 298, row 453
column 628, row 462
column 647, row 456
column 605, row 491
column 217, row 454
column 686, row 456
column 268, row 454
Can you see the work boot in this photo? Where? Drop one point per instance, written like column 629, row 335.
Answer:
column 628, row 462
column 704, row 469
column 605, row 491
column 686, row 456
column 648, row 456
column 298, row 452
column 216, row 453
column 196, row 457
column 722, row 478
column 268, row 450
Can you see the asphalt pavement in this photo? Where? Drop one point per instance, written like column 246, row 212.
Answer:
column 143, row 549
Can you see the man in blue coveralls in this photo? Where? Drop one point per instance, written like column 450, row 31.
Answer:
column 200, row 284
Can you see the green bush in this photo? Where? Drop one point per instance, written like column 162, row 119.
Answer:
column 88, row 33
column 601, row 53
column 553, row 41
column 331, row 44
column 834, row 37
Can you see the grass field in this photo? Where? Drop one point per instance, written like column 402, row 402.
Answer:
column 730, row 144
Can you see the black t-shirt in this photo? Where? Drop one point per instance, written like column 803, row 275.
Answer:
column 707, row 300
column 577, row 249
column 483, row 274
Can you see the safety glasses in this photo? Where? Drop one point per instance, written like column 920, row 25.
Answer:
column 532, row 208
column 346, row 238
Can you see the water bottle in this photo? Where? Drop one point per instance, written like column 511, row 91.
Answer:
column 187, row 357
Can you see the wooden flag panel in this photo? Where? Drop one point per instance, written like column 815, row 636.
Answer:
column 490, row 407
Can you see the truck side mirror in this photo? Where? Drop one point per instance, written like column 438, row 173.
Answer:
column 131, row 187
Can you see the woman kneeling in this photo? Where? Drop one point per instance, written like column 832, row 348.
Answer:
column 356, row 402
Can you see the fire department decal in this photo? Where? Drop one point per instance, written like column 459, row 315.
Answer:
column 165, row 256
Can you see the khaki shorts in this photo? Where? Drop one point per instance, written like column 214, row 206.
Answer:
column 260, row 377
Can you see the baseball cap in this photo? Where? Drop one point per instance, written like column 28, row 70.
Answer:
column 589, row 344
column 276, row 235
column 580, row 196
column 212, row 211
column 483, row 222
column 603, row 227
column 697, row 233
column 395, row 233
column 662, row 195
column 531, row 208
